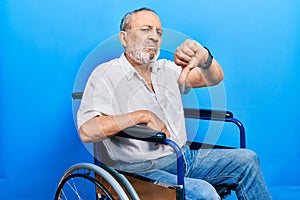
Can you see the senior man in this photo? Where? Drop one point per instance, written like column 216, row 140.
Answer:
column 136, row 88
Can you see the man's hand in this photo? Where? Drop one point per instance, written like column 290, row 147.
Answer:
column 189, row 55
column 156, row 124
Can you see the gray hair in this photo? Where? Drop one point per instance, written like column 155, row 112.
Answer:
column 127, row 17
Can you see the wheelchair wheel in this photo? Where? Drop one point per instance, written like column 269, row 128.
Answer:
column 87, row 181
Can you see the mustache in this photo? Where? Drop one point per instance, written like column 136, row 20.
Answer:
column 145, row 48
column 151, row 44
column 148, row 45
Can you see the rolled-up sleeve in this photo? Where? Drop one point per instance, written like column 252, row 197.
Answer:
column 96, row 98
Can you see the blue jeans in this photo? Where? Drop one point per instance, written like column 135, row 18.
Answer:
column 238, row 168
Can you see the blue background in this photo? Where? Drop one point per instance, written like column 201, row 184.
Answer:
column 43, row 44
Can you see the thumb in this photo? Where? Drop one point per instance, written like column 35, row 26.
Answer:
column 184, row 74
column 165, row 130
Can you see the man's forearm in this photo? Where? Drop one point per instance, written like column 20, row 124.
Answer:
column 206, row 77
column 214, row 74
column 101, row 127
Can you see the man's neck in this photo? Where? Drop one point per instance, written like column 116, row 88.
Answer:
column 144, row 70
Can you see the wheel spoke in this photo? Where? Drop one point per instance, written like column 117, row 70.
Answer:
column 86, row 181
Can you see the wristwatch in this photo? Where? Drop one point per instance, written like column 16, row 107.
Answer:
column 208, row 62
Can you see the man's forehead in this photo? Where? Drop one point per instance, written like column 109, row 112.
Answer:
column 145, row 18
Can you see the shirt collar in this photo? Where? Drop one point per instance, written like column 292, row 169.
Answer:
column 126, row 67
column 129, row 69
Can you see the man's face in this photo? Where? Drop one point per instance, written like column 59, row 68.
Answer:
column 144, row 37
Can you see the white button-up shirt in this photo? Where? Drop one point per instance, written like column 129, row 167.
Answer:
column 115, row 88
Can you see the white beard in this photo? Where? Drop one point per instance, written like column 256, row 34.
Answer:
column 141, row 57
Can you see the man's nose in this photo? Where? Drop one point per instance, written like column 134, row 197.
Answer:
column 154, row 35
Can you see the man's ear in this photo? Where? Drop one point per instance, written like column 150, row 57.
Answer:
column 122, row 38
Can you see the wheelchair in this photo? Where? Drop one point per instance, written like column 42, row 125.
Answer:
column 99, row 181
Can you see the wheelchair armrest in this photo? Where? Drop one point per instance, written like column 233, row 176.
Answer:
column 159, row 137
column 217, row 115
column 77, row 95
column 142, row 132
column 206, row 114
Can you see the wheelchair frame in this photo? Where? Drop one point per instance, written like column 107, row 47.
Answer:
column 120, row 184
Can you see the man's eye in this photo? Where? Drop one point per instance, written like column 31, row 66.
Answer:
column 145, row 29
column 159, row 33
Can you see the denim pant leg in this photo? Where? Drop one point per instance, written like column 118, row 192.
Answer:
column 239, row 167
column 195, row 189
column 165, row 170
